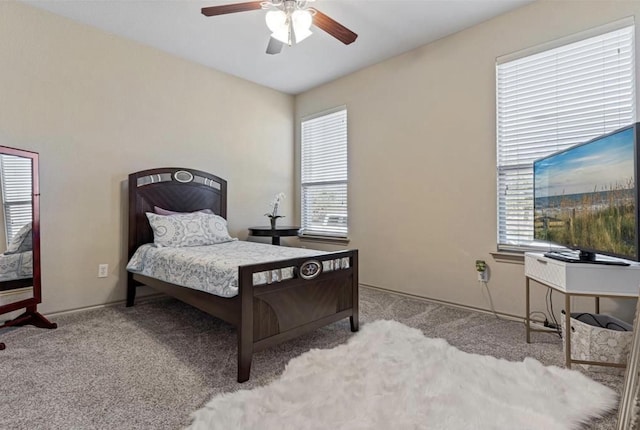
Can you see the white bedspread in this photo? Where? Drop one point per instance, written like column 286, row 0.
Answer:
column 16, row 266
column 214, row 268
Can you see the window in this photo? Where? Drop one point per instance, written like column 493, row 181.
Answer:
column 324, row 175
column 549, row 101
column 15, row 174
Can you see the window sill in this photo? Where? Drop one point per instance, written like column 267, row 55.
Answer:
column 508, row 257
column 324, row 239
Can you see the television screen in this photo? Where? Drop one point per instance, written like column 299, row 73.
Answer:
column 585, row 198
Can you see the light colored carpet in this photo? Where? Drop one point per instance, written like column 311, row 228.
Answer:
column 152, row 365
column 390, row 376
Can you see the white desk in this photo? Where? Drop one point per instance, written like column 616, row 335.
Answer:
column 579, row 279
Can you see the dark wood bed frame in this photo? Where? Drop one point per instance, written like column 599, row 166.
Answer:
column 264, row 315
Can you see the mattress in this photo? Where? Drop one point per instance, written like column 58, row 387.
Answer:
column 214, row 268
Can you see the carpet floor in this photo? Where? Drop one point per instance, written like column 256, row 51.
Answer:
column 152, row 365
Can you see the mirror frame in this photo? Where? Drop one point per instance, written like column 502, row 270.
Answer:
column 31, row 315
column 37, row 281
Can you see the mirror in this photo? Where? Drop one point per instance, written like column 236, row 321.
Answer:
column 20, row 283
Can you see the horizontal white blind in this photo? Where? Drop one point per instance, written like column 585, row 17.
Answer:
column 324, row 175
column 17, row 192
column 550, row 101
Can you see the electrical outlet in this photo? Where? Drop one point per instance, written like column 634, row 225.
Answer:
column 103, row 270
column 481, row 268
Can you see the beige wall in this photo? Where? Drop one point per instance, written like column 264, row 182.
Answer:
column 422, row 147
column 422, row 156
column 98, row 107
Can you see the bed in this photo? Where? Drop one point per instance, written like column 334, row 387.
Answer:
column 16, row 270
column 275, row 300
column 16, row 263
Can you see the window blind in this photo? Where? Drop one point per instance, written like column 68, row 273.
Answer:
column 548, row 102
column 324, row 175
column 17, row 191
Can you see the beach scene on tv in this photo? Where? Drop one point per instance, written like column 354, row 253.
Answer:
column 585, row 196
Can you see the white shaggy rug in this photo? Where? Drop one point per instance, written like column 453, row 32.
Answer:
column 390, row 376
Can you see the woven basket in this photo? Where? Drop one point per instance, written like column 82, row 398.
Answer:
column 597, row 337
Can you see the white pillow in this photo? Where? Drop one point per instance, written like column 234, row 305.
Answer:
column 21, row 241
column 190, row 229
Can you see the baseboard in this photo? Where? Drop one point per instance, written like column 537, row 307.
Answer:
column 146, row 298
column 446, row 303
column 156, row 296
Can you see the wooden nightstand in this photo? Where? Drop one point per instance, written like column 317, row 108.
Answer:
column 275, row 233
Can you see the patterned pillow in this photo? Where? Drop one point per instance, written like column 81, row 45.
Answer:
column 21, row 241
column 190, row 229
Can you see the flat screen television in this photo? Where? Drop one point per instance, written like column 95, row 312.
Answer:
column 586, row 199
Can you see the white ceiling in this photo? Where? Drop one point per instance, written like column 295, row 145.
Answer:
column 236, row 43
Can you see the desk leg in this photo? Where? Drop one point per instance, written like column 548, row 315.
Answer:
column 275, row 240
column 597, row 304
column 567, row 334
column 527, row 321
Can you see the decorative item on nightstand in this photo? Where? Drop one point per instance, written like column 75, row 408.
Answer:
column 273, row 215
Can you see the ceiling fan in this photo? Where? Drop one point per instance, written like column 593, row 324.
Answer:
column 289, row 21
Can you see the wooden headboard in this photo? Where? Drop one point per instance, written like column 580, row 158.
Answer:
column 175, row 189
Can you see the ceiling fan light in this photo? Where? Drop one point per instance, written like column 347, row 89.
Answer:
column 301, row 19
column 281, row 35
column 301, row 23
column 276, row 20
column 301, row 34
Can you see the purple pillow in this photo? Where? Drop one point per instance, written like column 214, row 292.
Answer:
column 159, row 211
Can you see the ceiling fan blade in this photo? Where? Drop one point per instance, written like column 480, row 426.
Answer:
column 274, row 46
column 333, row 27
column 231, row 8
